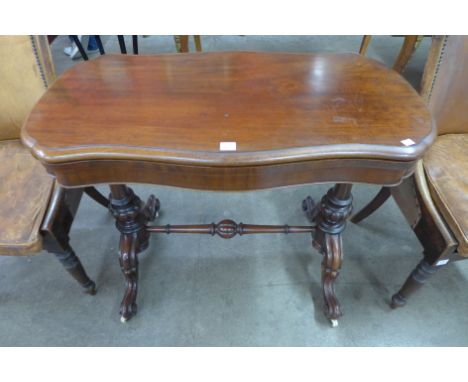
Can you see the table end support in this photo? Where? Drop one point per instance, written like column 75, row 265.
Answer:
column 131, row 216
column 330, row 216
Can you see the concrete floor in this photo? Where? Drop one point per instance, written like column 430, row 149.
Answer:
column 249, row 291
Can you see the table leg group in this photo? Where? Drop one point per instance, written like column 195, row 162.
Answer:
column 329, row 219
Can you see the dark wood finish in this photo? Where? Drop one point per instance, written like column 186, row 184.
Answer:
column 373, row 205
column 296, row 119
column 307, row 107
column 417, row 278
column 227, row 229
column 97, row 196
column 330, row 216
column 230, row 178
column 72, row 264
column 412, row 198
column 51, row 38
column 309, row 124
column 309, row 208
column 55, row 231
column 131, row 218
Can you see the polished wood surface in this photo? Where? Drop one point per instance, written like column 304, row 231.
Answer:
column 295, row 119
column 230, row 178
column 277, row 107
column 227, row 229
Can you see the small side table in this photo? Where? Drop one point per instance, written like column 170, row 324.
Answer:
column 230, row 122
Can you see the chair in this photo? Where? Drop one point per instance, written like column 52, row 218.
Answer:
column 182, row 43
column 35, row 212
column 434, row 200
column 410, row 44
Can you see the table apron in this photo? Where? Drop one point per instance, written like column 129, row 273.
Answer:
column 239, row 178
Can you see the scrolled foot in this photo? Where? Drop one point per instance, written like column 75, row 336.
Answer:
column 131, row 216
column 331, row 215
column 127, row 311
column 128, row 307
column 332, row 308
column 129, row 265
column 331, row 248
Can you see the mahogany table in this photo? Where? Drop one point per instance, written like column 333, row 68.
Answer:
column 231, row 121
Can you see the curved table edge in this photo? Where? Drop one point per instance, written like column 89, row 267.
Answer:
column 231, row 158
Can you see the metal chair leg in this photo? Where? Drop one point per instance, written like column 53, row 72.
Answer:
column 123, row 48
column 135, row 44
column 99, row 44
column 78, row 43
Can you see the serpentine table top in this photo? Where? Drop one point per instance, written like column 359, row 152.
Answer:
column 184, row 111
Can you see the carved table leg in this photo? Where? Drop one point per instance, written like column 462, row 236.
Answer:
column 330, row 216
column 131, row 216
column 415, row 280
